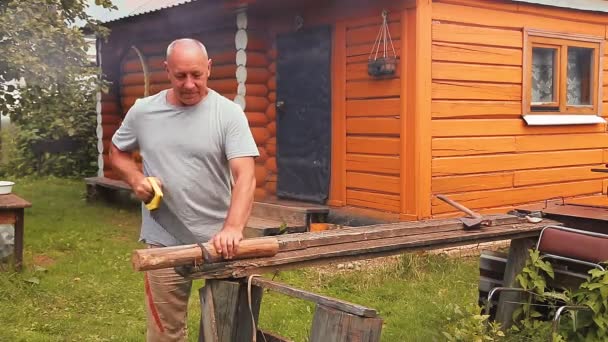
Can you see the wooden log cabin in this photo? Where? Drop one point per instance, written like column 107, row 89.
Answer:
column 494, row 103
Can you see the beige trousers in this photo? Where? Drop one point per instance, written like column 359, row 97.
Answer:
column 167, row 295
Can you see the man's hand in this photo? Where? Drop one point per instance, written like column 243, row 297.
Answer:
column 227, row 241
column 143, row 189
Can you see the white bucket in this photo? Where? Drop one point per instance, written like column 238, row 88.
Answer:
column 6, row 187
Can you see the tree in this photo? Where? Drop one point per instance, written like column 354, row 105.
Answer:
column 42, row 46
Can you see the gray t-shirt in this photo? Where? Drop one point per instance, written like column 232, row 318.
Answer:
column 188, row 149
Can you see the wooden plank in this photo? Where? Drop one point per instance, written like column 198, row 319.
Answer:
column 374, row 107
column 430, row 239
column 506, row 19
column 467, row 53
column 208, row 326
column 384, row 126
column 556, row 175
column 518, row 255
column 443, row 147
column 406, row 168
column 464, row 109
column 358, row 71
column 339, row 110
column 374, row 200
column 373, row 88
column 494, row 127
column 330, row 324
column 560, row 142
column 334, row 303
column 454, row 33
column 366, row 181
column 529, row 194
column 372, row 145
column 371, row 163
column 490, row 181
column 476, row 72
column 521, row 161
column 453, row 90
column 421, row 176
column 368, row 34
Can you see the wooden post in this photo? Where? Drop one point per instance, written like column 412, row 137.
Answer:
column 337, row 326
column 225, row 314
column 518, row 254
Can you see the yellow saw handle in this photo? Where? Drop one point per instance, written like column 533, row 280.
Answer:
column 158, row 194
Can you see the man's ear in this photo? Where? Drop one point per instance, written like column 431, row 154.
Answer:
column 166, row 65
column 209, row 67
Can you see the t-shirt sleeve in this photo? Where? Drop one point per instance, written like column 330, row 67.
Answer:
column 125, row 137
column 239, row 140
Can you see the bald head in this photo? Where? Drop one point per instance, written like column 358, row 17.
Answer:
column 186, row 45
column 188, row 67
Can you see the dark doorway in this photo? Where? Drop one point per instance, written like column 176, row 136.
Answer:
column 304, row 114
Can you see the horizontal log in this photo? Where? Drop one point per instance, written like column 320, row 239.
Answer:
column 373, row 88
column 513, row 161
column 260, row 135
column 373, row 182
column 374, row 107
column 476, row 72
column 376, row 126
column 477, row 182
column 257, row 59
column 373, row 145
column 367, row 199
column 257, row 119
column 444, row 147
column 454, row 109
column 165, row 257
column 373, row 163
column 454, row 33
column 256, row 89
column 457, row 90
column 467, row 53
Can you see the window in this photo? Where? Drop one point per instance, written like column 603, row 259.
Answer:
column 562, row 74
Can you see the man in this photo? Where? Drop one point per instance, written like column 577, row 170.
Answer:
column 194, row 141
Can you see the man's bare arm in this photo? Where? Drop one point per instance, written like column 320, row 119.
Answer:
column 227, row 240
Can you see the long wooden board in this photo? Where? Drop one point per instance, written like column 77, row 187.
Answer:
column 369, row 249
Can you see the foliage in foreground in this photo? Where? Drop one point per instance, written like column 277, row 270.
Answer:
column 531, row 323
column 48, row 86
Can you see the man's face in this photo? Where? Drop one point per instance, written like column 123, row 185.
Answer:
column 188, row 72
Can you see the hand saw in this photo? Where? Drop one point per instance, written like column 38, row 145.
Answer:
column 164, row 216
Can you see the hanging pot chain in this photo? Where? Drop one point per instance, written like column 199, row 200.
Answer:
column 384, row 38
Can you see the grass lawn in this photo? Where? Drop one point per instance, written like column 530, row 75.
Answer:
column 78, row 284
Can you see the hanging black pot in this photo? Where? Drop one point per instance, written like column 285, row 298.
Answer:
column 382, row 66
column 385, row 64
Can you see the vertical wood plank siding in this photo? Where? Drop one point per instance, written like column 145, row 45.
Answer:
column 483, row 154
